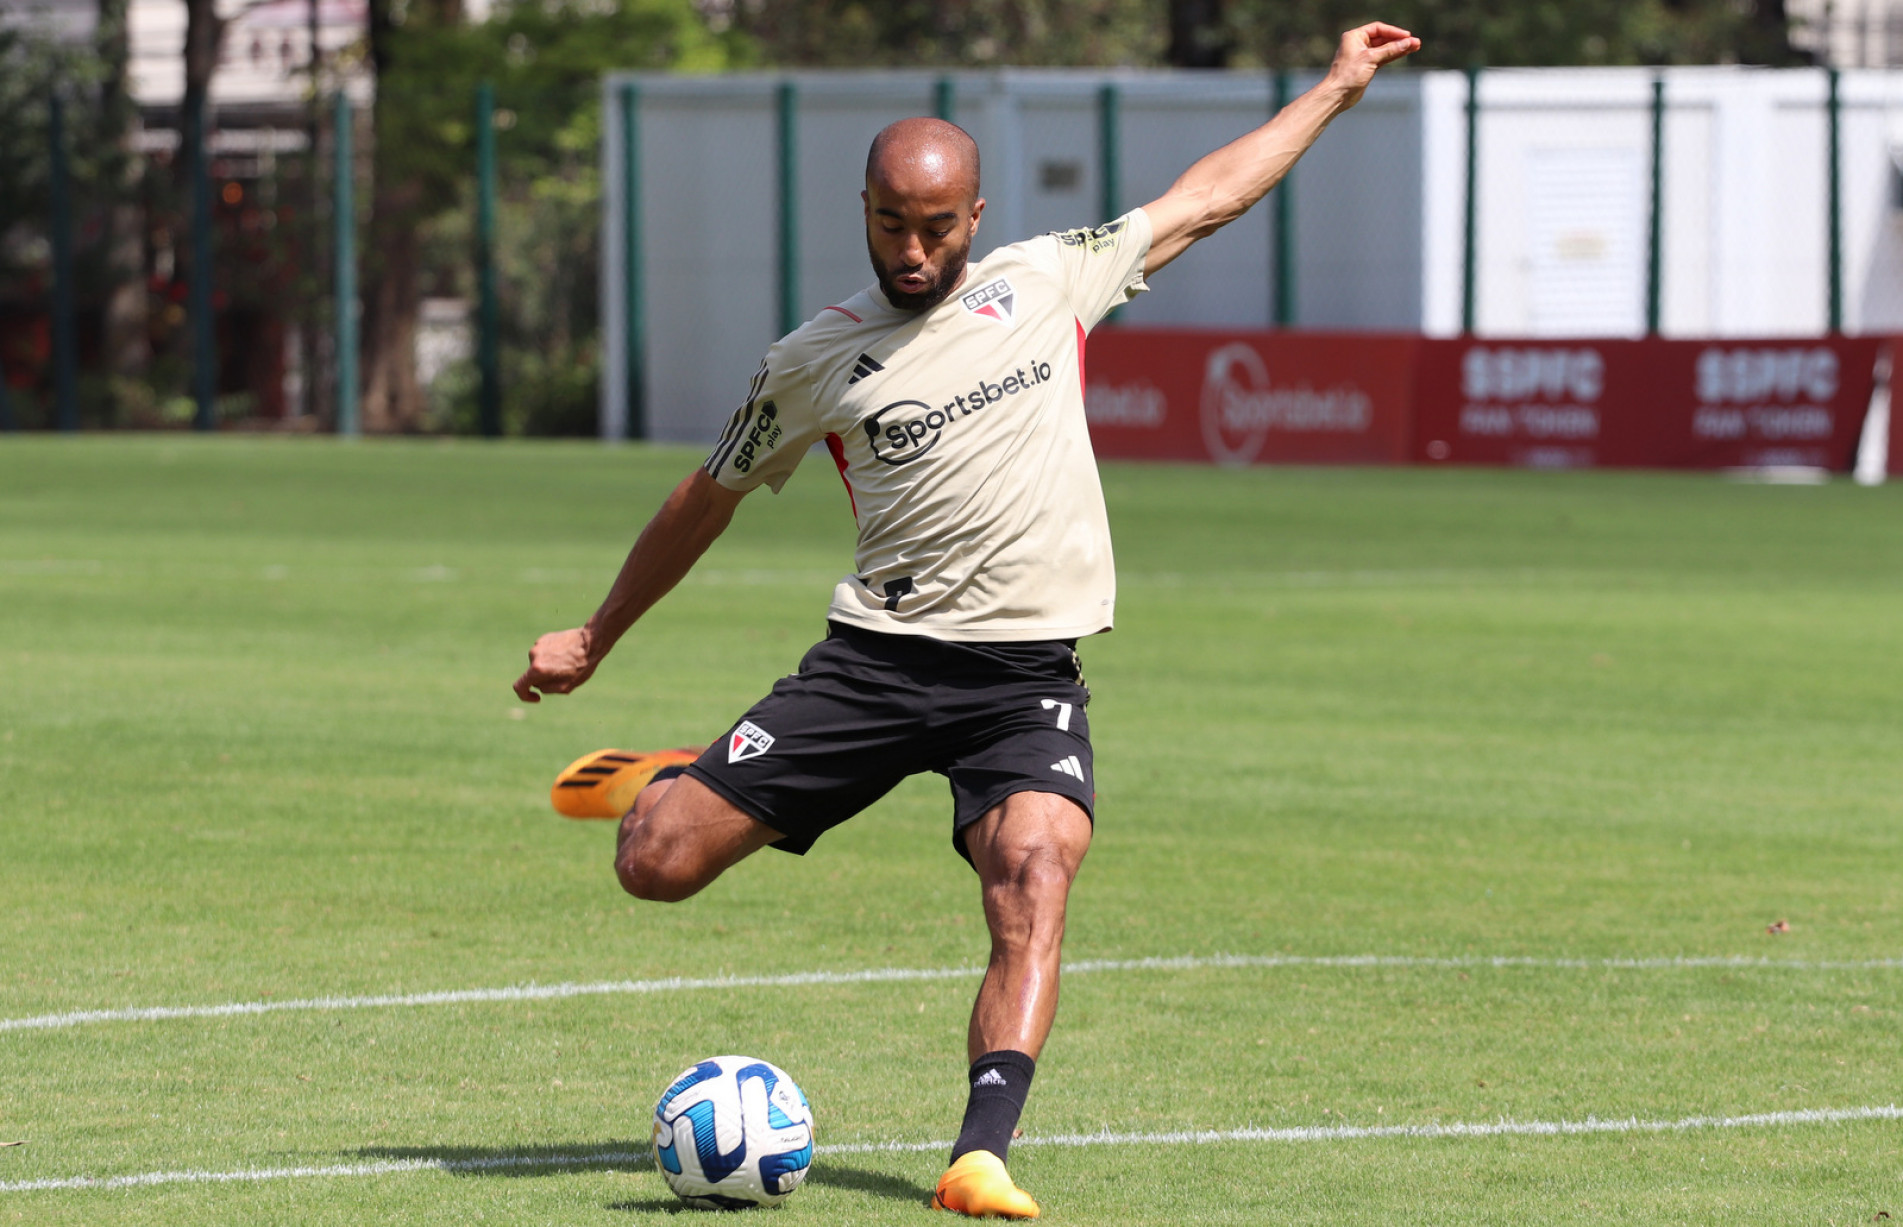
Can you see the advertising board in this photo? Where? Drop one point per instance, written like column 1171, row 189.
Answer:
column 1238, row 398
column 1650, row 403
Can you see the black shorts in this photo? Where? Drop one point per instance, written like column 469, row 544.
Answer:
column 866, row 710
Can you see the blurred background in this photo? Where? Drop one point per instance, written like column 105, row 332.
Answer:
column 414, row 216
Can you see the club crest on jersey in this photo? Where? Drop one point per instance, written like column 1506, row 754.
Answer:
column 995, row 300
column 748, row 741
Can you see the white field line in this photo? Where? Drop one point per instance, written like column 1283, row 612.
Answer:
column 611, row 1160
column 879, row 975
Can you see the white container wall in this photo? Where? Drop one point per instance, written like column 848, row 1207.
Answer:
column 1377, row 211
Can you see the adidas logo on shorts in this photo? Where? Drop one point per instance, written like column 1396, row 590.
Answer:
column 1069, row 766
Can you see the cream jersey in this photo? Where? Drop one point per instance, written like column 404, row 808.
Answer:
column 960, row 433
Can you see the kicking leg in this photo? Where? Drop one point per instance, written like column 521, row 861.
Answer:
column 680, row 836
column 1027, row 852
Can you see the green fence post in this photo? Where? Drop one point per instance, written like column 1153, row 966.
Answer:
column 204, row 341
column 489, row 395
column 1282, row 207
column 65, row 397
column 344, row 252
column 1469, row 256
column 634, row 302
column 1654, row 250
column 945, row 99
column 787, row 109
column 1110, row 152
column 1835, row 204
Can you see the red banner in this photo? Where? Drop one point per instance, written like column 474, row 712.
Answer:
column 1651, row 404
column 1367, row 398
column 1250, row 397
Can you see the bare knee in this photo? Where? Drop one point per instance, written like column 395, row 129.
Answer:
column 1025, row 903
column 657, row 880
column 680, row 838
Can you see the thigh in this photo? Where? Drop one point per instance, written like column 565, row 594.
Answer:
column 690, row 837
column 1035, row 738
column 825, row 744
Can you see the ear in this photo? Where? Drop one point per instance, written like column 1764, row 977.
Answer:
column 977, row 211
column 866, row 201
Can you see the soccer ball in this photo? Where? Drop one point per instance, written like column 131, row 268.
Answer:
column 731, row 1133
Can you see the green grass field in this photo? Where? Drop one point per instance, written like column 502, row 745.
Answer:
column 257, row 744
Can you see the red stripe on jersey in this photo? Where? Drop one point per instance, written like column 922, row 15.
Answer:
column 849, row 315
column 1080, row 355
column 837, row 446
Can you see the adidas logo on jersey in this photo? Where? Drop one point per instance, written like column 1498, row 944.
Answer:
column 1069, row 766
column 866, row 365
column 990, row 1077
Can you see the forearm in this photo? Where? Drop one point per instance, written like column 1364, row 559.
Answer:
column 696, row 513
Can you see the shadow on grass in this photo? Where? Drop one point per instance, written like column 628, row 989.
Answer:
column 515, row 1162
column 614, row 1155
column 833, row 1175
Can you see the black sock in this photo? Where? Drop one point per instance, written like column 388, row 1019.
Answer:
column 1000, row 1081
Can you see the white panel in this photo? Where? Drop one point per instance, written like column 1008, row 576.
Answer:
column 1546, row 267
column 1358, row 216
column 1873, row 201
column 1442, row 254
column 1796, row 239
column 1586, row 222
column 709, row 195
column 1059, row 138
column 1227, row 280
column 836, row 128
column 1685, row 306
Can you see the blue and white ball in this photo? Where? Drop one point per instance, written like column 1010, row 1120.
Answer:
column 732, row 1133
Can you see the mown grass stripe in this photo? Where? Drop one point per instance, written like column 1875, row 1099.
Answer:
column 546, row 992
column 617, row 1159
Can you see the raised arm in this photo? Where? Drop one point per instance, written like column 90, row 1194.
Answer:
column 698, row 511
column 1227, row 183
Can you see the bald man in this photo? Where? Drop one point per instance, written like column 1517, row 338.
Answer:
column 951, row 397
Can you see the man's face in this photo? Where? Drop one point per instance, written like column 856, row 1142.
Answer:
column 919, row 226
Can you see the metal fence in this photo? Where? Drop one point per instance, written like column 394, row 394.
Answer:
column 1692, row 202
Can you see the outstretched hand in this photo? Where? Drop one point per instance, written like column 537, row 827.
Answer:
column 1364, row 51
column 558, row 663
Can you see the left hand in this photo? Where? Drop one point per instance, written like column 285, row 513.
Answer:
column 1363, row 52
column 558, row 663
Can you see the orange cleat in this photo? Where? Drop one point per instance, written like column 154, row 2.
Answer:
column 604, row 784
column 977, row 1186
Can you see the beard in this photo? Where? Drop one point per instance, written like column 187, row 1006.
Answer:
column 931, row 295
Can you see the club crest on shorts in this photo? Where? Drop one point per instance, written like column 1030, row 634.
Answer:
column 748, row 741
column 995, row 300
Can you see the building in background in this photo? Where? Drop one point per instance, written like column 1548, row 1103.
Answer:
column 1849, row 33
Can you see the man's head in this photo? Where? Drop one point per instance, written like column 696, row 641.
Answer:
column 922, row 209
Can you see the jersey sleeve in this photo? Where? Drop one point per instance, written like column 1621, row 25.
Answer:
column 770, row 433
column 1103, row 268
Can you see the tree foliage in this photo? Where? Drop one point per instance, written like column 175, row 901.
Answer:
column 967, row 34
column 545, row 59
column 1259, row 33
column 1522, row 33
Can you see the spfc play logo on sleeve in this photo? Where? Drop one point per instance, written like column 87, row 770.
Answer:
column 748, row 741
column 995, row 300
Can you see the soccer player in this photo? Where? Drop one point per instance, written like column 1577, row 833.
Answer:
column 951, row 397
